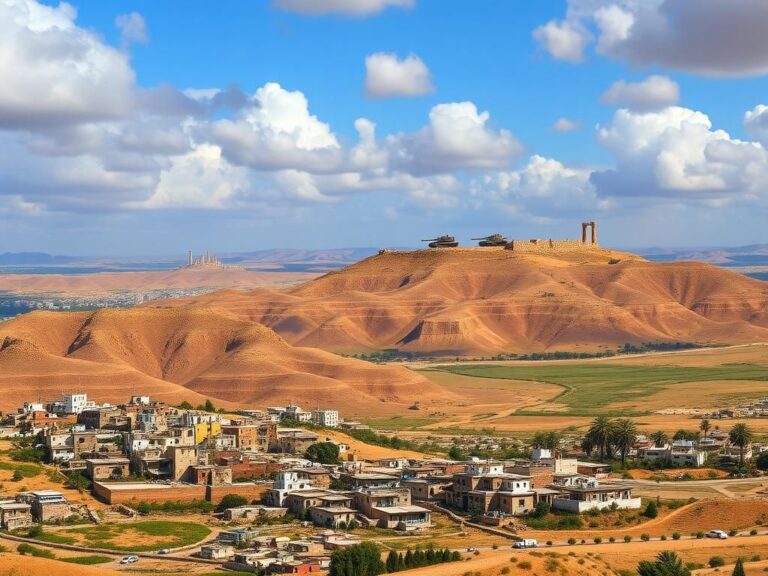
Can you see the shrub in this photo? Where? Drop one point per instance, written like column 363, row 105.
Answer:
column 505, row 570
column 716, row 562
column 675, row 535
column 598, row 540
column 231, row 501
column 571, row 541
column 645, row 537
column 495, row 546
column 699, row 535
column 663, row 537
column 611, row 539
column 753, row 532
column 17, row 476
column 627, row 538
column 651, row 511
column 524, row 565
column 733, row 532
column 549, row 542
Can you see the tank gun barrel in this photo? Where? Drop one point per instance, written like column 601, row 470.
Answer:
column 481, row 238
column 430, row 240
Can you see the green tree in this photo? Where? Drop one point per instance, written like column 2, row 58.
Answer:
column 600, row 433
column 624, row 436
column 762, row 461
column 209, row 407
column 541, row 509
column 741, row 435
column 391, row 561
column 17, row 476
column 738, row 569
column 455, row 453
column 323, row 452
column 362, row 559
column 77, row 481
column 231, row 501
column 651, row 511
column 185, row 405
column 704, row 426
column 667, row 563
column 660, row 438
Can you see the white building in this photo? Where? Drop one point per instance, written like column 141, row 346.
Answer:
column 76, row 402
column 326, row 418
column 587, row 494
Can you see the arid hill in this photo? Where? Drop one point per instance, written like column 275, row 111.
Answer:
column 493, row 300
column 106, row 282
column 189, row 354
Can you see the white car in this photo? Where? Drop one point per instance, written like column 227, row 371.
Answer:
column 721, row 534
column 525, row 543
column 132, row 559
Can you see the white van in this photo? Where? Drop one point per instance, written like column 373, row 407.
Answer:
column 525, row 543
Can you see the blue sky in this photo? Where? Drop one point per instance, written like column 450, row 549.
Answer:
column 134, row 152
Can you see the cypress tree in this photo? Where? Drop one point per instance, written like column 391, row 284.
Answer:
column 409, row 559
column 392, row 561
column 738, row 570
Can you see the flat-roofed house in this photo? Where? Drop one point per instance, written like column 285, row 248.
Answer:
column 589, row 494
column 15, row 515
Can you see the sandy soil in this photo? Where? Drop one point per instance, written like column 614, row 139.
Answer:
column 191, row 354
column 105, row 282
column 694, row 473
column 598, row 559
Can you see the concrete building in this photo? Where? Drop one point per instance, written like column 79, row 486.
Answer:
column 217, row 551
column 75, row 402
column 15, row 515
column 107, row 468
column 46, row 505
column 587, row 494
column 325, row 418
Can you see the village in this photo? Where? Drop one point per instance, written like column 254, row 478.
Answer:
column 284, row 466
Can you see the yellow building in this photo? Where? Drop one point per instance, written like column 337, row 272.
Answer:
column 206, row 430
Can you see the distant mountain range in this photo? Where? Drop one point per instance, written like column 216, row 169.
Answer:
column 753, row 255
column 34, row 259
column 323, row 259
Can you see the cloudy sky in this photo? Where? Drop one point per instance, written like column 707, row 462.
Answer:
column 146, row 127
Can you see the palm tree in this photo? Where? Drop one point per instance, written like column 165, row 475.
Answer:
column 624, row 436
column 741, row 435
column 587, row 445
column 704, row 427
column 667, row 563
column 600, row 432
column 659, row 438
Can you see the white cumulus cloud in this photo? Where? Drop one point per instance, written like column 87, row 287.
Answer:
column 708, row 37
column 652, row 93
column 388, row 76
column 54, row 72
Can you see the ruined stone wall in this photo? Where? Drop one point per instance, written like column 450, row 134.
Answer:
column 548, row 245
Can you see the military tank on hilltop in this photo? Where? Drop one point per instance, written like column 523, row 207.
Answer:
column 492, row 240
column 442, row 242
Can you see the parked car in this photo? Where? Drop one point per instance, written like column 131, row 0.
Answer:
column 471, row 549
column 721, row 534
column 132, row 559
column 164, row 551
column 525, row 543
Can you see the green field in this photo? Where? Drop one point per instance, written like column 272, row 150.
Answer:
column 138, row 537
column 592, row 388
column 398, row 422
column 88, row 560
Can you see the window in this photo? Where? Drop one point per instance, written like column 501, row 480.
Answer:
column 521, row 503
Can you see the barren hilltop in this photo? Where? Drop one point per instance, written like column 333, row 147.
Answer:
column 492, row 300
column 187, row 354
